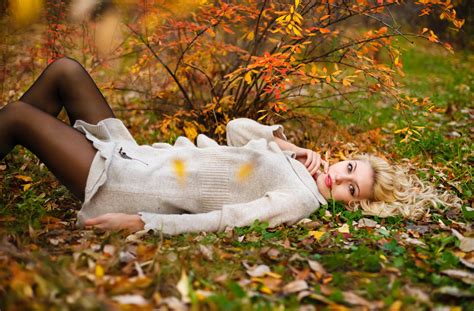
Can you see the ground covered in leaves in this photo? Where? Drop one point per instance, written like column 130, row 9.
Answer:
column 334, row 260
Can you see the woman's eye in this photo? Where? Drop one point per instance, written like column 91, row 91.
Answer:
column 352, row 190
column 349, row 167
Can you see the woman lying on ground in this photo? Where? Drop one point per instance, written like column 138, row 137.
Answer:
column 188, row 188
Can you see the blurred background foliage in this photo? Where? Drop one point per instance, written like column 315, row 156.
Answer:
column 189, row 66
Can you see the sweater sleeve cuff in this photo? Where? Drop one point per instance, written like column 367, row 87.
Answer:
column 278, row 131
column 181, row 223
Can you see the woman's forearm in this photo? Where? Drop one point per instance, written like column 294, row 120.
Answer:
column 285, row 145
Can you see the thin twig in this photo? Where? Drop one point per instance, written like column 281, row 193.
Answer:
column 175, row 78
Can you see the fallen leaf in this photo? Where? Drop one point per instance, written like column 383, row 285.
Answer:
column 296, row 256
column 344, row 228
column 295, row 286
column 56, row 241
column 317, row 234
column 467, row 244
column 467, row 263
column 99, row 271
column 258, row 271
column 24, row 178
column 109, row 250
column 183, row 287
column 130, row 300
column 413, row 241
column 314, row 296
column 174, row 304
column 126, row 256
column 206, row 251
column 366, row 222
column 418, row 294
column 465, row 276
column 317, row 267
column 453, row 291
column 354, row 299
column 202, row 294
column 396, row 306
column 270, row 284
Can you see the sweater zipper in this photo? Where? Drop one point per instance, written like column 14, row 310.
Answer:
column 126, row 156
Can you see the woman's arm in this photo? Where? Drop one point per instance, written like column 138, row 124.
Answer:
column 116, row 221
column 311, row 159
column 276, row 207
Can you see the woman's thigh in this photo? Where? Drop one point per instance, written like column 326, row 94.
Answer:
column 66, row 152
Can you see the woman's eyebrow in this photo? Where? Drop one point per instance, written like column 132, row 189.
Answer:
column 358, row 189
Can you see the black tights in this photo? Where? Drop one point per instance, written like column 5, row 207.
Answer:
column 32, row 123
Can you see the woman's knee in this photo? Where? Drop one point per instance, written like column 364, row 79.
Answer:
column 67, row 68
column 14, row 111
column 12, row 117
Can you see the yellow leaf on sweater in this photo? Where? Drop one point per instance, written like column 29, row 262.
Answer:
column 179, row 167
column 244, row 171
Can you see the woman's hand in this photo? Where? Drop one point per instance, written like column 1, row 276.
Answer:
column 116, row 221
column 311, row 160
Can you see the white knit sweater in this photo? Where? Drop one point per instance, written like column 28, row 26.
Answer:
column 188, row 188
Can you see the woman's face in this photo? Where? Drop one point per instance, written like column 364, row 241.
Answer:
column 347, row 180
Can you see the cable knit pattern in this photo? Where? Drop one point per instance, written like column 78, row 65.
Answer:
column 187, row 188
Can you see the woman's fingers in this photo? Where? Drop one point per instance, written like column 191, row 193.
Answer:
column 315, row 163
column 93, row 221
column 99, row 221
column 309, row 157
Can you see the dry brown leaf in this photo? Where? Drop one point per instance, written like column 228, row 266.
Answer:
column 183, row 287
column 258, row 271
column 109, row 250
column 295, row 286
column 418, row 294
column 467, row 243
column 465, row 276
column 355, row 300
column 453, row 291
column 174, row 304
column 366, row 223
column 317, row 267
column 206, row 251
column 344, row 228
column 412, row 241
column 467, row 263
column 130, row 300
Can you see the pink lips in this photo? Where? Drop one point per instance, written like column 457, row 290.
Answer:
column 328, row 181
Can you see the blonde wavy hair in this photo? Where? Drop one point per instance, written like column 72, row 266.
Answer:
column 397, row 192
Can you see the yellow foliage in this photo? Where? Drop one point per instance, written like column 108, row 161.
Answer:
column 25, row 11
column 190, row 130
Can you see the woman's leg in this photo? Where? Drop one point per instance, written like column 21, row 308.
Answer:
column 64, row 150
column 65, row 83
